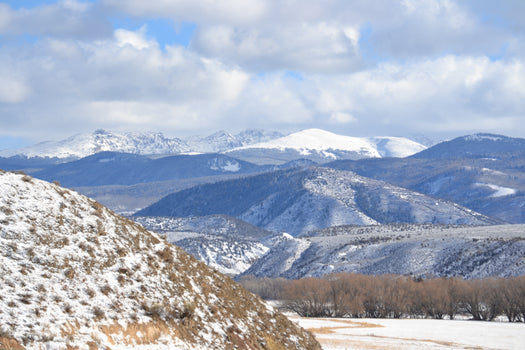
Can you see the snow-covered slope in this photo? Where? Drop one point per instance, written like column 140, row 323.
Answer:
column 321, row 145
column 300, row 200
column 82, row 145
column 75, row 275
column 418, row 250
column 224, row 243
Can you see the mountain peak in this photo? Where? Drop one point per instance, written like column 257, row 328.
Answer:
column 484, row 137
column 322, row 146
column 101, row 132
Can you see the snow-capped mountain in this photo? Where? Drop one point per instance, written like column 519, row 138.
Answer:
column 82, row 145
column 322, row 146
column 75, row 275
column 314, row 144
column 300, row 200
column 143, row 143
column 417, row 250
column 223, row 141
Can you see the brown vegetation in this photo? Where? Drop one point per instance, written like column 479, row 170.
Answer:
column 394, row 296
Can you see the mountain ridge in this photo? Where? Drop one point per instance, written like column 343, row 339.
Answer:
column 142, row 143
column 314, row 144
column 303, row 199
column 474, row 145
column 406, row 249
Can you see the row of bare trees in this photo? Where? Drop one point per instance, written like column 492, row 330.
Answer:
column 394, row 296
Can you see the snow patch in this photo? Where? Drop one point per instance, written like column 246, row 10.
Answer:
column 499, row 191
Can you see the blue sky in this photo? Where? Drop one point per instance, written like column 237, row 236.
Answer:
column 438, row 68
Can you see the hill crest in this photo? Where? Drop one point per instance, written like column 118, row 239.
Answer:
column 74, row 273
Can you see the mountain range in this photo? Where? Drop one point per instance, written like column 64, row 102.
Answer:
column 75, row 275
column 265, row 147
column 485, row 173
column 143, row 143
column 415, row 250
column 302, row 199
column 419, row 250
column 111, row 168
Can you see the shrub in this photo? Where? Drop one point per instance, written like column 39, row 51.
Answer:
column 98, row 312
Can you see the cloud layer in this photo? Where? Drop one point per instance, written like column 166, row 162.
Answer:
column 434, row 67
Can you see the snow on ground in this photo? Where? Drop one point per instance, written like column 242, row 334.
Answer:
column 338, row 334
column 499, row 191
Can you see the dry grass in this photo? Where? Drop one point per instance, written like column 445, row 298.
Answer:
column 10, row 344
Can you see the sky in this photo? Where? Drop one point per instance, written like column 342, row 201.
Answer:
column 432, row 69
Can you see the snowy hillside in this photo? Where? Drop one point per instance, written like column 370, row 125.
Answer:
column 321, row 145
column 301, row 200
column 493, row 185
column 224, row 243
column 418, row 250
column 75, row 275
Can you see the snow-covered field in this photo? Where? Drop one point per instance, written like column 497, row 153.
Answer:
column 338, row 334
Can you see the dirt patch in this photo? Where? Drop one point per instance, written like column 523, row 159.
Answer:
column 10, row 344
column 360, row 341
column 352, row 325
column 392, row 343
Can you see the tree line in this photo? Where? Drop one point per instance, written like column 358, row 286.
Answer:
column 395, row 296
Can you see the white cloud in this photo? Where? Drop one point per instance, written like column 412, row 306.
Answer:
column 326, row 36
column 12, row 89
column 447, row 93
column 204, row 11
column 5, row 17
column 341, row 118
column 67, row 18
column 397, row 67
column 126, row 82
column 135, row 39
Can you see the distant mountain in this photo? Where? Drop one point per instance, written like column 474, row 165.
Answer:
column 111, row 168
column 322, row 146
column 300, row 200
column 477, row 145
column 28, row 164
column 75, row 275
column 222, row 141
column 417, row 250
column 143, row 143
column 82, row 145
